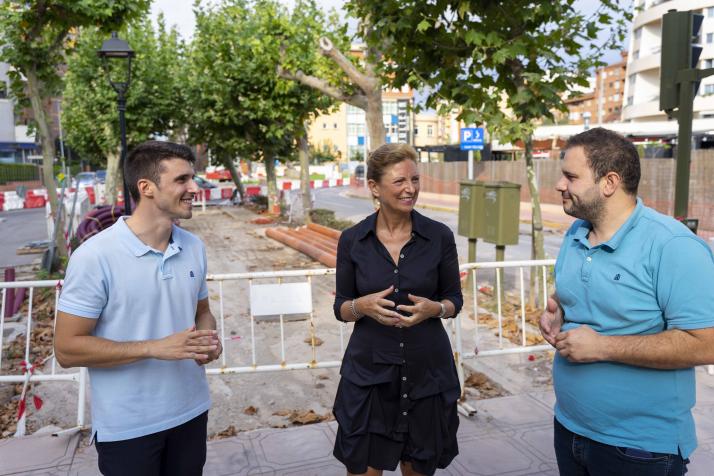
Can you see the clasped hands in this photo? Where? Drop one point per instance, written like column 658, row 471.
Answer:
column 581, row 344
column 382, row 310
column 201, row 345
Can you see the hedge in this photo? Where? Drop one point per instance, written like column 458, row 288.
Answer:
column 18, row 173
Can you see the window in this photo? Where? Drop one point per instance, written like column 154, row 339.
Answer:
column 429, row 130
column 707, row 63
column 709, row 89
column 389, row 107
column 334, row 125
column 636, row 54
column 710, row 38
column 3, row 91
column 324, row 125
column 632, row 79
column 638, row 33
column 616, row 97
column 630, row 100
column 617, row 84
column 710, row 12
column 416, row 131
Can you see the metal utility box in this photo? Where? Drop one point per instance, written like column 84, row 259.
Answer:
column 471, row 207
column 501, row 212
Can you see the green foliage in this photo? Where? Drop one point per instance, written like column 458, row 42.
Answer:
column 155, row 99
column 322, row 154
column 239, row 104
column 325, row 217
column 36, row 35
column 506, row 64
column 18, row 173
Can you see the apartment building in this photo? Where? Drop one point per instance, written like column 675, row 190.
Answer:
column 602, row 102
column 641, row 92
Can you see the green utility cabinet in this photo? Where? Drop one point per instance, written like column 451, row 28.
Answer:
column 471, row 209
column 501, row 213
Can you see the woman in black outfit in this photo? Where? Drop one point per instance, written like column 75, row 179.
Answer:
column 397, row 277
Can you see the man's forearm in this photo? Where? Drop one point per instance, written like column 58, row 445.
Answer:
column 205, row 320
column 91, row 351
column 671, row 349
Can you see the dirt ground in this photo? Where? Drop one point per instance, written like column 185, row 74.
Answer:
column 254, row 400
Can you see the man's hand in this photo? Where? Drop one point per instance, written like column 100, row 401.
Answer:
column 551, row 321
column 213, row 355
column 422, row 310
column 581, row 345
column 376, row 306
column 188, row 344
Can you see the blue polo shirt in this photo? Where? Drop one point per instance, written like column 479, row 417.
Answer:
column 652, row 275
column 138, row 293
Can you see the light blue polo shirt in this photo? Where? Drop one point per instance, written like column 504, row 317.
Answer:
column 138, row 293
column 652, row 275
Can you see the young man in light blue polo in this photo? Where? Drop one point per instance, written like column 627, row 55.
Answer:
column 134, row 310
column 632, row 314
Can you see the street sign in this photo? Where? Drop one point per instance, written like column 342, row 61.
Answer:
column 472, row 138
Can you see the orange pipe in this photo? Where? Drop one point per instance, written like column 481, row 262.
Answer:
column 331, row 232
column 313, row 252
column 306, row 239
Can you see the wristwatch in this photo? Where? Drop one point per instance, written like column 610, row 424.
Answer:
column 442, row 314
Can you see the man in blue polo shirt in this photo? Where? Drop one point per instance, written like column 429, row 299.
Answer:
column 134, row 309
column 632, row 314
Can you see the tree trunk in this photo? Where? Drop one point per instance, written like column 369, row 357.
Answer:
column 35, row 89
column 228, row 163
column 304, row 154
column 273, row 202
column 537, row 248
column 375, row 120
column 114, row 176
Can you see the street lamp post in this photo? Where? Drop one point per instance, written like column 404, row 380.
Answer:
column 117, row 51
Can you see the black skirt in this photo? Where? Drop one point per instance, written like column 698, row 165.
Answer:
column 380, row 426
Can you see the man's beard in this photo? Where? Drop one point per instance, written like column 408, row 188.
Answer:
column 588, row 210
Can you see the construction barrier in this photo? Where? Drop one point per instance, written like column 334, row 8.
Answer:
column 280, row 295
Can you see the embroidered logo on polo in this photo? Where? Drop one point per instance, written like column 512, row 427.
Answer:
column 616, row 278
column 193, row 275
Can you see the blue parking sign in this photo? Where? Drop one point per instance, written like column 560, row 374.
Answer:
column 472, row 138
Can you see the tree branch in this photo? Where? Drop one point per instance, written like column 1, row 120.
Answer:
column 362, row 81
column 356, row 100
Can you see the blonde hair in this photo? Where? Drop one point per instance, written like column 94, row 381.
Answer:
column 386, row 155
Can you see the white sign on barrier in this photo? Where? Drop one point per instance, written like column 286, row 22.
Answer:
column 280, row 299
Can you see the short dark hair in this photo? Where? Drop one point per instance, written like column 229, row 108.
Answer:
column 386, row 155
column 144, row 162
column 608, row 151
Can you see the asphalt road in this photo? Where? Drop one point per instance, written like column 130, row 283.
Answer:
column 355, row 209
column 17, row 228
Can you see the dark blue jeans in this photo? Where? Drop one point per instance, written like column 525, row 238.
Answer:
column 580, row 456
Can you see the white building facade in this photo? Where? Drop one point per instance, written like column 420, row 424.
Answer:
column 641, row 94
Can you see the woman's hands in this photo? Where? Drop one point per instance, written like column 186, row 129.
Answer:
column 376, row 306
column 422, row 309
column 379, row 308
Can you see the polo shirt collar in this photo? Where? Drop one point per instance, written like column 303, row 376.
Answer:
column 369, row 225
column 138, row 247
column 581, row 233
column 625, row 228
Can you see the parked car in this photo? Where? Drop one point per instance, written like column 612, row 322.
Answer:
column 203, row 183
column 101, row 176
column 85, row 179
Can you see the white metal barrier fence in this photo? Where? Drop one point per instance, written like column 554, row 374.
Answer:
column 31, row 371
column 284, row 292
